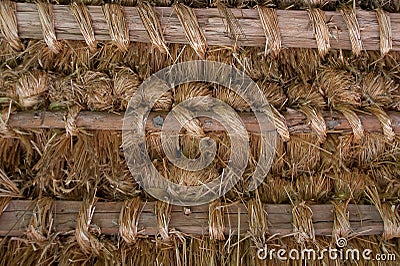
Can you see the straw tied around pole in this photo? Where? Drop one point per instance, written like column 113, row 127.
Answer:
column 346, row 28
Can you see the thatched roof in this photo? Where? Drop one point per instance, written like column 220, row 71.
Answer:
column 329, row 70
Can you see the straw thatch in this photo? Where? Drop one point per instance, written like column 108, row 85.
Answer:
column 335, row 172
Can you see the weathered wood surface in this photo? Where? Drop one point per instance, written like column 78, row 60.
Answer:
column 296, row 121
column 364, row 219
column 294, row 25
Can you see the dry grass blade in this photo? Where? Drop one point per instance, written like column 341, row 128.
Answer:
column 385, row 31
column 354, row 121
column 280, row 124
column 82, row 16
column 235, row 31
column 385, row 121
column 388, row 212
column 152, row 24
column 321, row 30
column 7, row 187
column 129, row 219
column 216, row 224
column 116, row 21
column 269, row 22
column 8, row 23
column 46, row 17
column 349, row 16
column 193, row 32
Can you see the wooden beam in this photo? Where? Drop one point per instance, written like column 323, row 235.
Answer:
column 364, row 219
column 296, row 121
column 294, row 26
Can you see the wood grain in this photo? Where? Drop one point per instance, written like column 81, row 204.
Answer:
column 296, row 121
column 294, row 26
column 364, row 219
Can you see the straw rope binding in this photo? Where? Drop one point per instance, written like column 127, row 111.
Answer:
column 82, row 16
column 193, row 32
column 9, row 26
column 269, row 22
column 349, row 16
column 129, row 219
column 117, row 25
column 385, row 31
column 235, row 31
column 321, row 30
column 46, row 17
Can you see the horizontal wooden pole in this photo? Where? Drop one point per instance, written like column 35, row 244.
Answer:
column 295, row 27
column 296, row 121
column 364, row 219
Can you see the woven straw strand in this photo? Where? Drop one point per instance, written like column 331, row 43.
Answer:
column 9, row 26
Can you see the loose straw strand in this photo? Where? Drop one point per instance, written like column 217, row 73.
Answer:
column 321, row 30
column 82, row 16
column 117, row 25
column 9, row 26
column 385, row 31
column 46, row 17
column 349, row 16
column 193, row 32
column 269, row 22
column 152, row 25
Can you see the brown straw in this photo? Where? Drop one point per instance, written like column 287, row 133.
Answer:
column 388, row 212
column 354, row 121
column 385, row 121
column 129, row 219
column 317, row 121
column 70, row 121
column 41, row 223
column 216, row 221
column 349, row 16
column 163, row 211
column 302, row 223
column 8, row 23
column 341, row 221
column 385, row 31
column 321, row 30
column 117, row 25
column 86, row 240
column 193, row 32
column 280, row 124
column 152, row 25
column 46, row 17
column 269, row 22
column 82, row 16
column 235, row 31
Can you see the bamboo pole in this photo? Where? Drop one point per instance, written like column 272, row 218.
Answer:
column 296, row 121
column 364, row 219
column 294, row 26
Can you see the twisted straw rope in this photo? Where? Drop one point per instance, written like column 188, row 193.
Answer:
column 193, row 32
column 216, row 221
column 349, row 16
column 117, row 25
column 321, row 30
column 163, row 211
column 46, row 17
column 82, row 16
column 385, row 121
column 354, row 121
column 152, row 25
column 129, row 219
column 302, row 223
column 235, row 31
column 317, row 121
column 341, row 222
column 9, row 25
column 269, row 22
column 385, row 31
column 70, row 121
